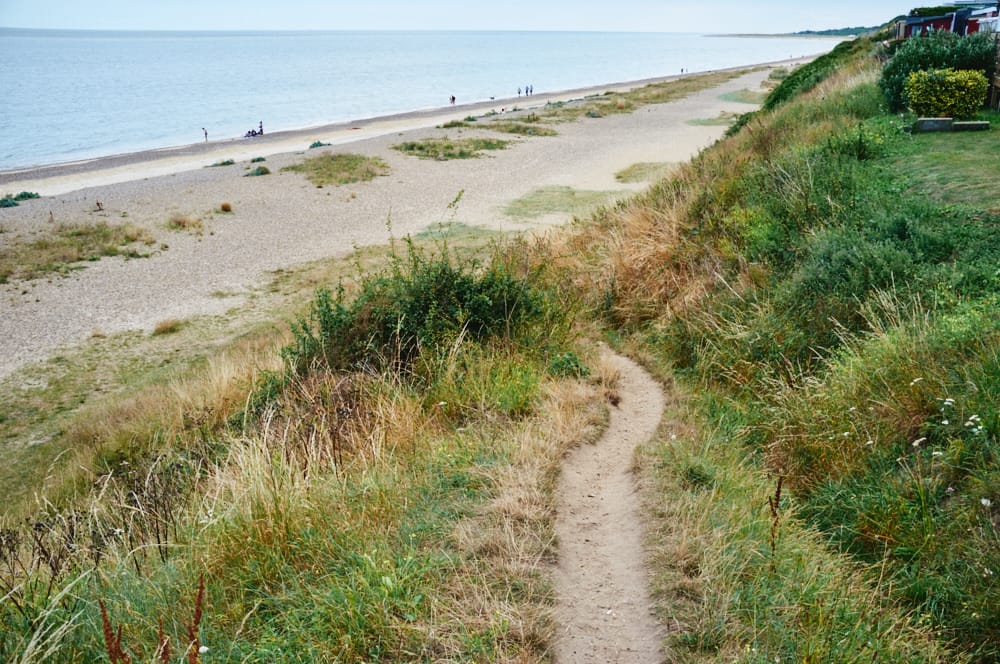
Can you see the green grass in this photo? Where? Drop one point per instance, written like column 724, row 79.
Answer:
column 724, row 119
column 443, row 149
column 69, row 246
column 225, row 162
column 947, row 167
column 519, row 128
column 559, row 199
column 340, row 169
column 647, row 171
column 745, row 96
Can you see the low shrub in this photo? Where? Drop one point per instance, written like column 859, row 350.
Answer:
column 937, row 50
column 260, row 170
column 226, row 162
column 318, row 144
column 257, row 160
column 26, row 195
column 946, row 92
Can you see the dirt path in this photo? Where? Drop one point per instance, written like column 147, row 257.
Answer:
column 604, row 612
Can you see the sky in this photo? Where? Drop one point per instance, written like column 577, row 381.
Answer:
column 718, row 16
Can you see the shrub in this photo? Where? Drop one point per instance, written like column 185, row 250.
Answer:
column 8, row 202
column 226, row 207
column 395, row 315
column 813, row 73
column 260, row 170
column 257, row 160
column 946, row 92
column 318, row 144
column 938, row 50
column 25, row 195
column 226, row 162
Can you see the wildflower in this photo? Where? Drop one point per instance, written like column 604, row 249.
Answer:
column 945, row 422
column 847, row 434
column 986, row 502
column 917, row 442
column 950, row 490
column 202, row 650
column 937, row 453
column 442, row 403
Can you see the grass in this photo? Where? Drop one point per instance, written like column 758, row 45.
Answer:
column 186, row 222
column 340, row 169
column 627, row 102
column 169, row 326
column 70, row 245
column 225, row 162
column 520, row 128
column 947, row 167
column 257, row 172
column 745, row 96
column 443, row 149
column 724, row 119
column 370, row 562
column 559, row 199
column 647, row 171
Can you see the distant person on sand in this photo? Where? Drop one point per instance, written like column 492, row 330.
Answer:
column 206, row 134
column 261, row 132
column 453, row 100
column 519, row 92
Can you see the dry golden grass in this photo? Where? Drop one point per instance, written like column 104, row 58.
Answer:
column 186, row 222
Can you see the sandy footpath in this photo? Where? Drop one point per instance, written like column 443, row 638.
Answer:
column 282, row 220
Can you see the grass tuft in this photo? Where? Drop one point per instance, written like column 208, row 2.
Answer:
column 340, row 169
column 443, row 149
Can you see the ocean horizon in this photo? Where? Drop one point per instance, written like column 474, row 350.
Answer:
column 74, row 95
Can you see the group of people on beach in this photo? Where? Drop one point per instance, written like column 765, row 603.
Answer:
column 528, row 90
column 255, row 132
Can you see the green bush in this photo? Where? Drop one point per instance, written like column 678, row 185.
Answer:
column 939, row 50
column 26, row 195
column 813, row 73
column 396, row 315
column 260, row 170
column 8, row 202
column 946, row 92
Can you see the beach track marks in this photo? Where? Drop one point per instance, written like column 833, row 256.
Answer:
column 604, row 612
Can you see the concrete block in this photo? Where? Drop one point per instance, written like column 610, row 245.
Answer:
column 971, row 125
column 932, row 124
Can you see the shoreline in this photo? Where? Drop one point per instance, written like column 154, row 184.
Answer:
column 66, row 177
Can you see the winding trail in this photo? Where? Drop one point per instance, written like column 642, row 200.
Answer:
column 604, row 612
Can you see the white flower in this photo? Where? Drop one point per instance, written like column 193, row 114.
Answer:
column 937, row 453
column 986, row 502
column 917, row 442
column 202, row 650
column 945, row 422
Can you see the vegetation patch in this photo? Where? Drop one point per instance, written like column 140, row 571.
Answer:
column 11, row 200
column 745, row 96
column 724, row 119
column 226, row 162
column 646, row 171
column 186, row 222
column 519, row 128
column 948, row 167
column 318, row 144
column 559, row 199
column 443, row 149
column 70, row 245
column 340, row 169
column 257, row 172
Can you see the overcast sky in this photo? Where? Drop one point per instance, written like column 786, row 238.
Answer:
column 625, row 15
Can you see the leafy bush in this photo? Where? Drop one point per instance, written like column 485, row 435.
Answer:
column 396, row 315
column 938, row 50
column 260, row 170
column 225, row 162
column 26, row 195
column 318, row 144
column 257, row 160
column 8, row 202
column 946, row 92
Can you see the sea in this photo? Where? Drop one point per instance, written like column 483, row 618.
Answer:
column 71, row 95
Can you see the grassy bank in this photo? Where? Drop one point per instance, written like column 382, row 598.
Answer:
column 829, row 305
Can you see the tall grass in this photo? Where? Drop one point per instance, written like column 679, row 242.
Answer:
column 323, row 525
column 835, row 321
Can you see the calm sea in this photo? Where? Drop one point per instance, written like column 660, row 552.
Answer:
column 72, row 95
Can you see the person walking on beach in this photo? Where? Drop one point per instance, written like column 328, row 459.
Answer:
column 261, row 132
column 519, row 92
column 206, row 134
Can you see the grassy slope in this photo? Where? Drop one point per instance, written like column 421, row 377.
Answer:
column 835, row 323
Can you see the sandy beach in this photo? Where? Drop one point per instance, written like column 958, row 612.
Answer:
column 282, row 220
